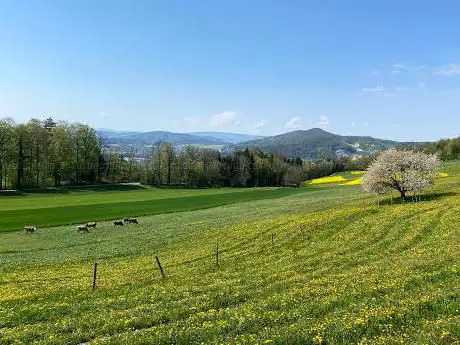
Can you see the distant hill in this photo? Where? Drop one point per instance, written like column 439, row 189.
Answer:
column 309, row 144
column 232, row 138
column 141, row 140
column 317, row 143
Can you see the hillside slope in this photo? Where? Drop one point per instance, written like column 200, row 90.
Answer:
column 143, row 139
column 316, row 143
column 327, row 267
column 233, row 138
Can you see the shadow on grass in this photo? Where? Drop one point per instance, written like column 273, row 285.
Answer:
column 73, row 189
column 422, row 197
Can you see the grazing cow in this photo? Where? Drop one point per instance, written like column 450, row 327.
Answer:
column 133, row 221
column 82, row 228
column 29, row 229
column 91, row 225
column 118, row 223
column 126, row 220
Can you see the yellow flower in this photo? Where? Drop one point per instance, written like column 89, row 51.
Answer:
column 328, row 179
column 352, row 183
column 444, row 334
column 318, row 339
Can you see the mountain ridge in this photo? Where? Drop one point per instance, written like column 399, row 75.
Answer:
column 139, row 139
column 233, row 138
column 311, row 144
column 316, row 143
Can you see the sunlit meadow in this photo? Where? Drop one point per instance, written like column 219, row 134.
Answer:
column 326, row 267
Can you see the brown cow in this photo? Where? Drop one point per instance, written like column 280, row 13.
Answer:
column 29, row 229
column 133, row 221
column 91, row 225
column 82, row 228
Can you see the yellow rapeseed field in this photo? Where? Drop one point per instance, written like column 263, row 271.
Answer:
column 328, row 179
column 352, row 182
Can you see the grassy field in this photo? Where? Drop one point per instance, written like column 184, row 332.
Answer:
column 99, row 195
column 326, row 266
column 52, row 209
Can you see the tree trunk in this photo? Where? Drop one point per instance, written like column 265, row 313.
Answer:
column 57, row 174
column 159, row 168
column 20, row 168
column 403, row 195
column 37, row 165
column 77, row 171
column 169, row 170
column 5, row 176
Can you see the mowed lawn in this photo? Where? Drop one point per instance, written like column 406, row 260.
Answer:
column 73, row 196
column 73, row 207
column 322, row 267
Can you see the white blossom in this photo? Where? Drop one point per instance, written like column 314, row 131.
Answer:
column 401, row 170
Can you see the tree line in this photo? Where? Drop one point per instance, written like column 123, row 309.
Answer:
column 446, row 149
column 41, row 154
column 241, row 168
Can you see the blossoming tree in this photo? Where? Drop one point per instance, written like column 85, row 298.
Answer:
column 401, row 170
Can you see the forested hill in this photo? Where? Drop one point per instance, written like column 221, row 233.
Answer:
column 142, row 139
column 317, row 144
column 232, row 138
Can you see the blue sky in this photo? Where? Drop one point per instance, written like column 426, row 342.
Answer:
column 389, row 69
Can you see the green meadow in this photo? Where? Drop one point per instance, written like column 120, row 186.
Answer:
column 315, row 265
column 73, row 207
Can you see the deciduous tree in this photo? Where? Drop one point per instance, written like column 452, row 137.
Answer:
column 401, row 170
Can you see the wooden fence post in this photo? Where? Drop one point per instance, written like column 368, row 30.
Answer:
column 217, row 253
column 94, row 275
column 159, row 267
column 273, row 238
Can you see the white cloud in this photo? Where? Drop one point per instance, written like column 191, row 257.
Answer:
column 378, row 88
column 259, row 124
column 398, row 68
column 323, row 120
column 359, row 124
column 293, row 123
column 384, row 91
column 447, row 70
column 417, row 68
column 388, row 94
column 220, row 121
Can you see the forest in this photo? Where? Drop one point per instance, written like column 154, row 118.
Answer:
column 41, row 154
column 447, row 149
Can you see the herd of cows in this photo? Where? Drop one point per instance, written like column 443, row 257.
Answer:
column 91, row 225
